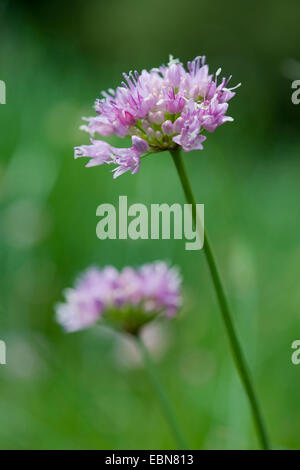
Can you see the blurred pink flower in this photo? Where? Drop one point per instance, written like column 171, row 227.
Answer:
column 128, row 299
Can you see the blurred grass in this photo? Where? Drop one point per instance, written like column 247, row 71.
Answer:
column 73, row 391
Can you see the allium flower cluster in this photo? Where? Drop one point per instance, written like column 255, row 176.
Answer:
column 164, row 109
column 126, row 299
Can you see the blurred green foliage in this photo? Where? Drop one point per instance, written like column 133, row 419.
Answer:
column 87, row 390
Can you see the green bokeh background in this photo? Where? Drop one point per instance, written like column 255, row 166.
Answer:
column 85, row 390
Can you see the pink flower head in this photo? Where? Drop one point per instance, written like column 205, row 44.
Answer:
column 129, row 298
column 163, row 109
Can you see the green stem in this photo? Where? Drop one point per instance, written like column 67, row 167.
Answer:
column 233, row 339
column 162, row 396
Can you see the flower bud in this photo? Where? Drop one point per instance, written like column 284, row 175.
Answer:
column 167, row 127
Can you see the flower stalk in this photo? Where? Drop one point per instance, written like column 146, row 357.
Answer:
column 161, row 395
column 235, row 345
